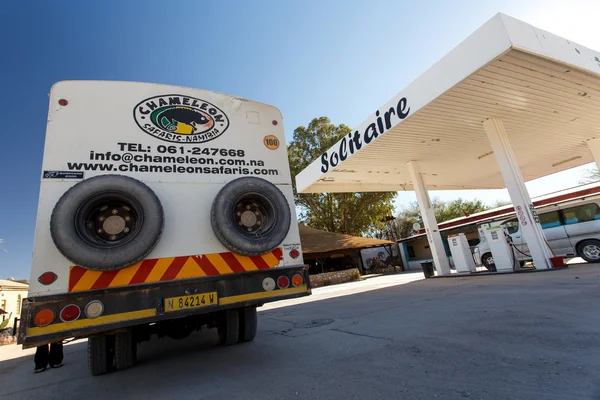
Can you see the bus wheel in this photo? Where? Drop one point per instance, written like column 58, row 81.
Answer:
column 100, row 354
column 248, row 324
column 229, row 327
column 107, row 222
column 488, row 262
column 250, row 216
column 589, row 250
column 125, row 349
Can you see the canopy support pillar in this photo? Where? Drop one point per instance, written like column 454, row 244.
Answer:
column 434, row 238
column 509, row 168
column 594, row 146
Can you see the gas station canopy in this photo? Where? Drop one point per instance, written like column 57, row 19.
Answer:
column 545, row 90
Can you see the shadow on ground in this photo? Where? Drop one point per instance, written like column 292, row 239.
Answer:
column 517, row 336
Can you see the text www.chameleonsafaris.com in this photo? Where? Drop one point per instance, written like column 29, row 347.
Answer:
column 211, row 166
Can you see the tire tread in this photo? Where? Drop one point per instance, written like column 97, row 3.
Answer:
column 98, row 352
column 125, row 350
column 248, row 324
column 229, row 328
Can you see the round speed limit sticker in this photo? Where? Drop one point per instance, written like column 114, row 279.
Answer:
column 271, row 142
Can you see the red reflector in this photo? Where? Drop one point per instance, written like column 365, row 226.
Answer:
column 283, row 282
column 274, row 122
column 63, row 102
column 47, row 278
column 70, row 313
column 294, row 253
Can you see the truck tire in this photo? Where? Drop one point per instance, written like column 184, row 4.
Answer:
column 125, row 350
column 229, row 327
column 250, row 216
column 248, row 324
column 488, row 262
column 107, row 222
column 100, row 354
column 589, row 250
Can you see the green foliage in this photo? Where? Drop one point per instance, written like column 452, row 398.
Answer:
column 500, row 203
column 402, row 226
column 591, row 175
column 4, row 323
column 445, row 211
column 353, row 213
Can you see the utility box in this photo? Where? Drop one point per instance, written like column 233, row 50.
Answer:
column 461, row 253
column 501, row 251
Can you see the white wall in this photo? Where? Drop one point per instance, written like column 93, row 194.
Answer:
column 12, row 305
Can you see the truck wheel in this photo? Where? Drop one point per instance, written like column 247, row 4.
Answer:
column 100, row 354
column 107, row 222
column 248, row 324
column 229, row 327
column 250, row 216
column 589, row 250
column 488, row 261
column 125, row 350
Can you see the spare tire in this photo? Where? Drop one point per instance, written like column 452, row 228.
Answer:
column 107, row 222
column 250, row 216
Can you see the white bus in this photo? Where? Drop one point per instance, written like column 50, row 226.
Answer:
column 162, row 209
column 572, row 229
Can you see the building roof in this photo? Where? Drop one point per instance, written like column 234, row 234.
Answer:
column 318, row 241
column 12, row 285
column 544, row 88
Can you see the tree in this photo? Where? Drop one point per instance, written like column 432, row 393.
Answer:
column 353, row 213
column 444, row 211
column 591, row 175
column 500, row 203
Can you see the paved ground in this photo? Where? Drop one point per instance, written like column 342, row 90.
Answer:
column 518, row 336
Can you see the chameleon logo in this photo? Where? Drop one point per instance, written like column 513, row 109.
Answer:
column 180, row 119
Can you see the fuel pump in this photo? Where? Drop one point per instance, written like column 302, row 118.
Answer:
column 461, row 253
column 498, row 240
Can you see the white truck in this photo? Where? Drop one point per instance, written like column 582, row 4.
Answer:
column 162, row 210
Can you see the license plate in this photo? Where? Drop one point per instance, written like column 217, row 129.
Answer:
column 191, row 301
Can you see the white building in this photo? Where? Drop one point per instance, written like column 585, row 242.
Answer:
column 12, row 294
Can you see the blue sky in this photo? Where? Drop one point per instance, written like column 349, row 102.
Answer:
column 342, row 59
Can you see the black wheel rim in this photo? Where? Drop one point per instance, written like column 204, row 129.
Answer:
column 254, row 214
column 109, row 219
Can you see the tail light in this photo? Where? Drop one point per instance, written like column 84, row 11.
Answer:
column 297, row 280
column 283, row 282
column 44, row 317
column 294, row 253
column 268, row 284
column 47, row 278
column 70, row 313
column 94, row 309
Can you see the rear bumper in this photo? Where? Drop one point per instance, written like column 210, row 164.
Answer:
column 130, row 306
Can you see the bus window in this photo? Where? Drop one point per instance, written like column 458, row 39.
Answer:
column 550, row 219
column 583, row 213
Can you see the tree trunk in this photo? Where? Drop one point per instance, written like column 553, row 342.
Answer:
column 331, row 213
column 345, row 214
